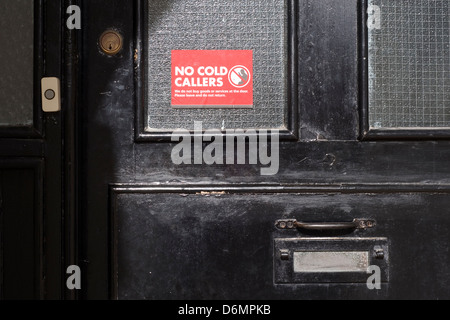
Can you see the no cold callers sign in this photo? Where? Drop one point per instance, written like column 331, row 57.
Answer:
column 212, row 78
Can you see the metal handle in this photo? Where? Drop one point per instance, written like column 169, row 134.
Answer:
column 325, row 226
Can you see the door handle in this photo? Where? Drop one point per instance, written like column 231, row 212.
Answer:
column 325, row 226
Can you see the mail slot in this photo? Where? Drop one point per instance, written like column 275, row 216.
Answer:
column 329, row 260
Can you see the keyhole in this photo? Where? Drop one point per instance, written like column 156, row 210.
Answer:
column 111, row 42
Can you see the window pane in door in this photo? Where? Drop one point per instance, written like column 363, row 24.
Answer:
column 258, row 26
column 409, row 63
column 16, row 62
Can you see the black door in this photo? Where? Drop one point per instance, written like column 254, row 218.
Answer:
column 356, row 93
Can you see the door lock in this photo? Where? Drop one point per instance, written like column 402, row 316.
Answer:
column 111, row 42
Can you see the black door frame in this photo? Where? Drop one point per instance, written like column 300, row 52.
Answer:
column 49, row 148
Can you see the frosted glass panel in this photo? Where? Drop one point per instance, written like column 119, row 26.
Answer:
column 16, row 62
column 409, row 64
column 256, row 25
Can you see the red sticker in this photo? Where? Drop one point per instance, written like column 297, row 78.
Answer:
column 212, row 78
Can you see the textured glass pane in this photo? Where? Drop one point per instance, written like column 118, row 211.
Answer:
column 257, row 25
column 16, row 62
column 409, row 64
